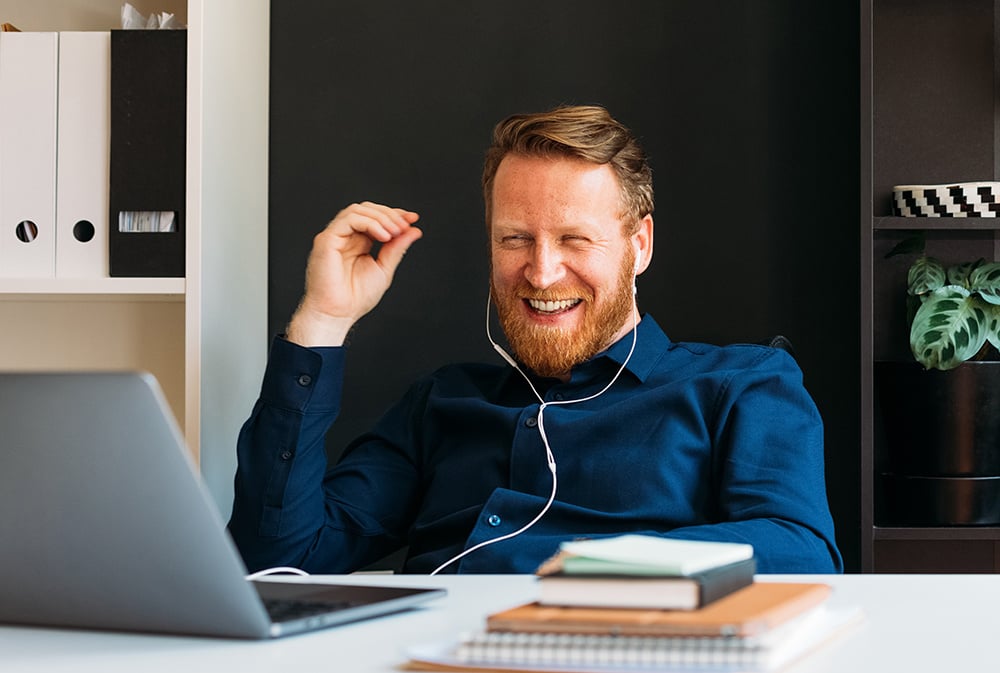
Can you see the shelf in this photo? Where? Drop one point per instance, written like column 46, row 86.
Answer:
column 935, row 223
column 179, row 329
column 939, row 533
column 930, row 115
column 15, row 289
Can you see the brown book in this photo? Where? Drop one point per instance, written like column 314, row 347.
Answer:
column 750, row 611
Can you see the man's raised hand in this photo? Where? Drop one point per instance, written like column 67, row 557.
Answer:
column 343, row 280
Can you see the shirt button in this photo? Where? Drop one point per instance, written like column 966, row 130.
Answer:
column 531, row 422
column 494, row 520
column 558, row 396
column 286, row 455
column 305, row 380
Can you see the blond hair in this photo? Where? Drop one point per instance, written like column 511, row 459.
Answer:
column 586, row 132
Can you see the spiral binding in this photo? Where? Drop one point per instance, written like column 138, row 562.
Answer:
column 564, row 649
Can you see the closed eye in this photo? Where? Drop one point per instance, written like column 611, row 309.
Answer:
column 515, row 240
column 575, row 240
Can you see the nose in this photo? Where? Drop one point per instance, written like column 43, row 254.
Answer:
column 545, row 268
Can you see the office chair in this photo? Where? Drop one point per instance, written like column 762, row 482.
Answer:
column 779, row 341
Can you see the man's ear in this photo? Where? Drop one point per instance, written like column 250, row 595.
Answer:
column 642, row 239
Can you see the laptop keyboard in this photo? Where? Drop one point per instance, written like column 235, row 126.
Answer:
column 284, row 610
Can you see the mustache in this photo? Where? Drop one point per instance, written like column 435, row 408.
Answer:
column 525, row 290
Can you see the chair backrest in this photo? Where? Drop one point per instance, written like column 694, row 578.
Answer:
column 779, row 341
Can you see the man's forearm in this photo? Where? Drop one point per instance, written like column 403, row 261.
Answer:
column 780, row 546
column 279, row 502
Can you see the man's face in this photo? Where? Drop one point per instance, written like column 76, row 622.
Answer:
column 561, row 265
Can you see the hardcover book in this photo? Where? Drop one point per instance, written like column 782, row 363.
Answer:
column 668, row 592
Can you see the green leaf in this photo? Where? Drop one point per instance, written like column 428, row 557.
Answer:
column 959, row 274
column 985, row 280
column 993, row 326
column 926, row 275
column 913, row 243
column 949, row 327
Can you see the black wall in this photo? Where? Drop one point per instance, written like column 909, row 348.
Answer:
column 749, row 111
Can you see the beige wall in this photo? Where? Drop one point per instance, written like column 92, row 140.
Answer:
column 42, row 333
column 35, row 15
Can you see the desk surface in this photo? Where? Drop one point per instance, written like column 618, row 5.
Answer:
column 913, row 623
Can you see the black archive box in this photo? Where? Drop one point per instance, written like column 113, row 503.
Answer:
column 148, row 150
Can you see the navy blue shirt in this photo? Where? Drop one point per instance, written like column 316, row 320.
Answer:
column 692, row 441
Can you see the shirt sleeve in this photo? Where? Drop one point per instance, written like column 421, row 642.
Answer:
column 768, row 438
column 287, row 510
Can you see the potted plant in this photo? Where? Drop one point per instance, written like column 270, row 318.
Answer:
column 941, row 414
column 958, row 317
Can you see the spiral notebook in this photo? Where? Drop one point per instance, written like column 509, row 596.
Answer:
column 579, row 653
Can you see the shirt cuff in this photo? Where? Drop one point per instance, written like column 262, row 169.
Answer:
column 303, row 379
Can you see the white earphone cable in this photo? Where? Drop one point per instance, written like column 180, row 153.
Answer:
column 549, row 456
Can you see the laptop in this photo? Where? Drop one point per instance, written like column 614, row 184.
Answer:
column 105, row 523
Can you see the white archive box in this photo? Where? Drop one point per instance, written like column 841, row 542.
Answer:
column 84, row 130
column 28, row 73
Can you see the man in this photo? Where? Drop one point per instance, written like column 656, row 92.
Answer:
column 596, row 425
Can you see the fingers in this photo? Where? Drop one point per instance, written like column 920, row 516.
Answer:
column 378, row 222
column 344, row 281
column 342, row 273
column 392, row 252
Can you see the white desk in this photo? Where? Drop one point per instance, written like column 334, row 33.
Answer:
column 914, row 623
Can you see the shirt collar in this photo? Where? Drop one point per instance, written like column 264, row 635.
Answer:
column 650, row 346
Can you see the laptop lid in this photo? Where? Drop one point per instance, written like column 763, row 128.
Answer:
column 105, row 523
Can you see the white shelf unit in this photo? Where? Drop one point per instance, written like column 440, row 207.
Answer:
column 204, row 336
column 78, row 287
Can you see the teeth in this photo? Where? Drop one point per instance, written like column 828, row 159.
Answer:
column 552, row 306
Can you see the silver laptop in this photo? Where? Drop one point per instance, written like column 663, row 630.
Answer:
column 105, row 524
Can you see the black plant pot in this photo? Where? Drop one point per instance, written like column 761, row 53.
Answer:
column 942, row 432
column 941, row 501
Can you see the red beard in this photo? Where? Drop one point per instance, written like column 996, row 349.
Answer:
column 554, row 351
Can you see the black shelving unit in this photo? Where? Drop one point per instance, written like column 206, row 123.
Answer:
column 928, row 116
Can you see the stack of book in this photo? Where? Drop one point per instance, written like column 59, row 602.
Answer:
column 601, row 610
column 641, row 571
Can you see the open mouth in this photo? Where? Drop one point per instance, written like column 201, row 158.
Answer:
column 550, row 307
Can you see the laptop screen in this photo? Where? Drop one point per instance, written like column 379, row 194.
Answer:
column 106, row 523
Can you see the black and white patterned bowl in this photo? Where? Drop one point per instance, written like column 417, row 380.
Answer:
column 963, row 199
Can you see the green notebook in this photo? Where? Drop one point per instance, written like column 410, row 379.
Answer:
column 643, row 555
